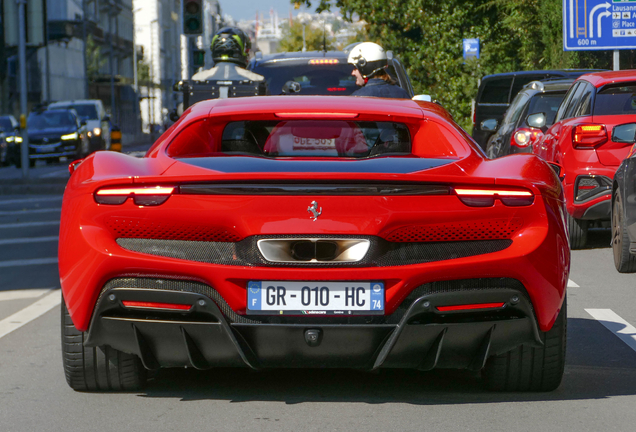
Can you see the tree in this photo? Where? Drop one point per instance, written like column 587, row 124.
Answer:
column 292, row 39
column 94, row 59
column 427, row 36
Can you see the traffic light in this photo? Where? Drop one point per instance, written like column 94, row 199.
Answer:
column 198, row 58
column 193, row 17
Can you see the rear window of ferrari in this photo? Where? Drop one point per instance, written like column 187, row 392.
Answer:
column 296, row 138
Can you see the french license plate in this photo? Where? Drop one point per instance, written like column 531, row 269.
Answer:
column 315, row 298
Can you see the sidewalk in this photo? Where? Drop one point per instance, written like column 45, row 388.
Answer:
column 51, row 179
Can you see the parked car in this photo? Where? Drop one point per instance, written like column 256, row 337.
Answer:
column 496, row 93
column 516, row 135
column 9, row 146
column 579, row 141
column 55, row 133
column 624, row 203
column 315, row 232
column 97, row 121
column 318, row 72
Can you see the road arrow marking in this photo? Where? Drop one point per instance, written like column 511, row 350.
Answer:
column 571, row 19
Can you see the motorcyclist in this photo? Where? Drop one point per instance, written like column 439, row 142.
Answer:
column 370, row 63
column 230, row 50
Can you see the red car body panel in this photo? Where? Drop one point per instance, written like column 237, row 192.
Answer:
column 556, row 146
column 538, row 257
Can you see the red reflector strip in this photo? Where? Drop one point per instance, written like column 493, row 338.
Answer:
column 154, row 305
column 492, row 192
column 336, row 89
column 470, row 307
column 286, row 115
column 159, row 190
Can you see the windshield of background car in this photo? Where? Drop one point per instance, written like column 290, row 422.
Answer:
column 5, row 124
column 314, row 79
column 51, row 120
column 616, row 99
column 84, row 111
column 546, row 103
column 496, row 91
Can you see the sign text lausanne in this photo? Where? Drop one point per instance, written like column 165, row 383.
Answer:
column 599, row 24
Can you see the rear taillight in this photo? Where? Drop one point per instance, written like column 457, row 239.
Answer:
column 486, row 197
column 145, row 196
column 524, row 137
column 588, row 135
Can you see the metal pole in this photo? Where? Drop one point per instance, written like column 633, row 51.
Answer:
column 23, row 86
column 48, row 59
column 112, row 65
column 151, row 98
column 84, row 39
column 617, row 58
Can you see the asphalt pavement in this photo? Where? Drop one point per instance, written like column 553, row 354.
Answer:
column 598, row 390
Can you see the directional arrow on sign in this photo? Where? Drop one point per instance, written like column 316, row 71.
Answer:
column 594, row 9
column 598, row 21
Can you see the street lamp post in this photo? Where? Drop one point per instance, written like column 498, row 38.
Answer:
column 24, row 149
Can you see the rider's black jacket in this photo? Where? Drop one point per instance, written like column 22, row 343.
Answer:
column 380, row 88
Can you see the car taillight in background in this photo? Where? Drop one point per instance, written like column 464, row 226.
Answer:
column 474, row 197
column 143, row 196
column 591, row 186
column 588, row 135
column 524, row 137
column 632, row 152
column 324, row 61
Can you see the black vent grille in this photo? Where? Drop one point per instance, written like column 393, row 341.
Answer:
column 232, row 317
column 245, row 253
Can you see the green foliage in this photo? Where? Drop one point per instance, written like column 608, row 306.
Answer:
column 427, row 36
column 314, row 38
column 94, row 58
column 143, row 72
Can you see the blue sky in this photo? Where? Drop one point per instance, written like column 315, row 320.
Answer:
column 246, row 9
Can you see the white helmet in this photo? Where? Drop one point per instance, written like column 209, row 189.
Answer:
column 368, row 57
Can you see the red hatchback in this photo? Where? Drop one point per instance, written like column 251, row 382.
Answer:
column 579, row 141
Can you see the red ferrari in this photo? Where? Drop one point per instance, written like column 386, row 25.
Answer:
column 580, row 140
column 314, row 232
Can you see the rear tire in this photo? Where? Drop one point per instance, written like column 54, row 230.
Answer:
column 624, row 261
column 100, row 368
column 531, row 369
column 577, row 230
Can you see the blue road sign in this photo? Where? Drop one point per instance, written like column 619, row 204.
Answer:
column 471, row 48
column 599, row 24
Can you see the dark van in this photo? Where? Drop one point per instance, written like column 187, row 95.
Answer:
column 497, row 91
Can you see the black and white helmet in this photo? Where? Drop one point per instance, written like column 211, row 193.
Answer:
column 368, row 57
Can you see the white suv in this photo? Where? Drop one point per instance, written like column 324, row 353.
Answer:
column 93, row 113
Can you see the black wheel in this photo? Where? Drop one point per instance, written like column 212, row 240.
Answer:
column 97, row 369
column 577, row 230
column 531, row 369
column 624, row 261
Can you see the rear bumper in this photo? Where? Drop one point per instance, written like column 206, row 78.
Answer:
column 415, row 336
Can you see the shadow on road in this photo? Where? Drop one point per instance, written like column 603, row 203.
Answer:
column 598, row 238
column 598, row 366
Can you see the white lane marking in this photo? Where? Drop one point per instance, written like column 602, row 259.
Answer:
column 30, row 200
column 29, row 224
column 28, row 240
column 26, row 211
column 23, row 293
column 572, row 284
column 30, row 313
column 28, row 262
column 617, row 325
